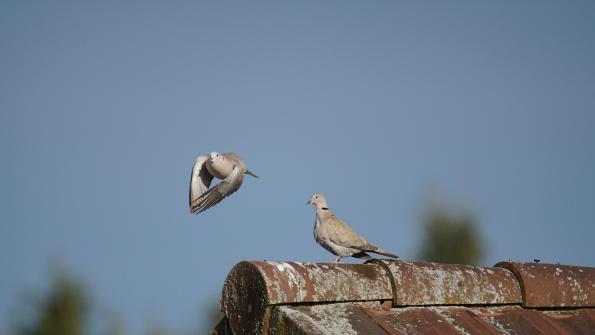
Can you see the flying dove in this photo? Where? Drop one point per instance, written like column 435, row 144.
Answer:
column 227, row 166
column 337, row 237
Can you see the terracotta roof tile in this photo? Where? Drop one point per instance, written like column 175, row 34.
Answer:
column 420, row 283
column 554, row 285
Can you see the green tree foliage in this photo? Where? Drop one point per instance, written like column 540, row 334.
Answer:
column 451, row 237
column 63, row 311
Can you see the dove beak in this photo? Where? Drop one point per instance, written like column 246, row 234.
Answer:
column 309, row 202
column 252, row 174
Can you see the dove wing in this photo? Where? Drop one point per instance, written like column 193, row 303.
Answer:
column 233, row 158
column 217, row 193
column 200, row 179
column 343, row 235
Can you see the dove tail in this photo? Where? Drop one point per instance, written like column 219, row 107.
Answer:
column 372, row 248
column 384, row 253
column 251, row 174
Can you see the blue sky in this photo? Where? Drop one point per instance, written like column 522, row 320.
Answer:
column 380, row 106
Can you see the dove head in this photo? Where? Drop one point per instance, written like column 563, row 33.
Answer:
column 215, row 156
column 318, row 200
column 218, row 166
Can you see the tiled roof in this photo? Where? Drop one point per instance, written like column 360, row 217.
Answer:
column 400, row 297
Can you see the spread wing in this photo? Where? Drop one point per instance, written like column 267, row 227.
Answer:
column 217, row 193
column 199, row 180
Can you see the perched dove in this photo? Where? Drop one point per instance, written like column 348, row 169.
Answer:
column 227, row 166
column 337, row 237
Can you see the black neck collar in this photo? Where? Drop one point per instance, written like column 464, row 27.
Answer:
column 324, row 208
